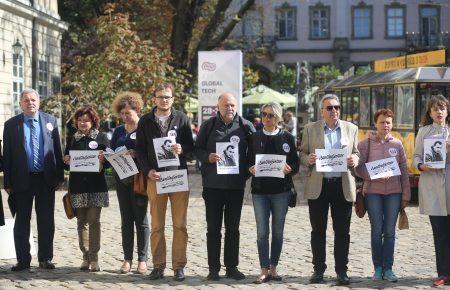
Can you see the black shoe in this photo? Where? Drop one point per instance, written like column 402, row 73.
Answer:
column 342, row 279
column 20, row 267
column 316, row 277
column 213, row 276
column 178, row 275
column 234, row 273
column 47, row 265
column 157, row 273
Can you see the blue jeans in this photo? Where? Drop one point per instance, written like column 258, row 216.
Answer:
column 264, row 205
column 383, row 212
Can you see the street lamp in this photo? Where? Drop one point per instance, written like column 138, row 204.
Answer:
column 17, row 47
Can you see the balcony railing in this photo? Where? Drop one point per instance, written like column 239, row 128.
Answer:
column 415, row 41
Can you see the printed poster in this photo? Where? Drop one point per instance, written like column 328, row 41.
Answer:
column 84, row 161
column 122, row 162
column 434, row 152
column 229, row 157
column 172, row 181
column 382, row 168
column 164, row 152
column 269, row 165
column 331, row 160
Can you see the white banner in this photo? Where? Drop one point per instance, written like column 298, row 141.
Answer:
column 218, row 72
column 172, row 181
column 331, row 160
column 84, row 161
column 382, row 168
column 7, row 248
column 269, row 165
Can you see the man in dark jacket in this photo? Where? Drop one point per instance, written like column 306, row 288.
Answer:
column 165, row 121
column 33, row 170
column 223, row 193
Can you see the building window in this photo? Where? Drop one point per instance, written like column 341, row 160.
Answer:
column 285, row 19
column 395, row 21
column 319, row 22
column 17, row 81
column 429, row 25
column 43, row 78
column 362, row 21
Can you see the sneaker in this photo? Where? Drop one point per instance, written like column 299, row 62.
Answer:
column 389, row 275
column 378, row 275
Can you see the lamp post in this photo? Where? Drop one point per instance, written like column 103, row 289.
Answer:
column 17, row 47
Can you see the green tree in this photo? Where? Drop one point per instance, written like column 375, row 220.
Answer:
column 324, row 74
column 283, row 79
column 124, row 62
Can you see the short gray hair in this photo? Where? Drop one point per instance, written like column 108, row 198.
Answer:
column 328, row 97
column 277, row 109
column 29, row 91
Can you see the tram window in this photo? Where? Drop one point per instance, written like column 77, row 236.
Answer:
column 404, row 106
column 364, row 108
column 382, row 97
column 355, row 107
column 346, row 99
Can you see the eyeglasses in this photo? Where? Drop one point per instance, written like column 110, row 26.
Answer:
column 330, row 108
column 267, row 115
column 165, row 98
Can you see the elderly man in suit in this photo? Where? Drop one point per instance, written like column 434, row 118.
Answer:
column 33, row 169
column 335, row 190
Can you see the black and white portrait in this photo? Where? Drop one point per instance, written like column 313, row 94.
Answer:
column 164, row 152
column 434, row 152
column 229, row 158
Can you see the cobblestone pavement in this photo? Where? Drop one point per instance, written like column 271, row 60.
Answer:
column 414, row 255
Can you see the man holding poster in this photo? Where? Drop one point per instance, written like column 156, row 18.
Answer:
column 330, row 189
column 164, row 121
column 223, row 193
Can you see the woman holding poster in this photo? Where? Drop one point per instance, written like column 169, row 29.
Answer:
column 270, row 193
column 384, row 196
column 434, row 185
column 133, row 207
column 88, row 190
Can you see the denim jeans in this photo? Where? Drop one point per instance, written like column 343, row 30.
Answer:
column 383, row 212
column 264, row 205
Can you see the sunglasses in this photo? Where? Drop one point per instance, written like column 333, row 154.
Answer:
column 330, row 108
column 267, row 115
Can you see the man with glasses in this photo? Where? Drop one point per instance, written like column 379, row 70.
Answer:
column 335, row 190
column 165, row 121
column 223, row 193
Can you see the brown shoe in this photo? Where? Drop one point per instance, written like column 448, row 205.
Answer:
column 142, row 267
column 126, row 267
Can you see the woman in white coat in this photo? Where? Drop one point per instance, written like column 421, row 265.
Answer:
column 434, row 187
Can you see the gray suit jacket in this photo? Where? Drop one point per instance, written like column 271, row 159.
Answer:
column 313, row 138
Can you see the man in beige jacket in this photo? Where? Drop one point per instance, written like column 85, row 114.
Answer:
column 335, row 190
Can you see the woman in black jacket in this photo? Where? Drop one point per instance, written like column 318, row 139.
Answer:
column 271, row 195
column 88, row 190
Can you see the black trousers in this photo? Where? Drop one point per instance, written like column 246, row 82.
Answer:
column 45, row 207
column 341, row 213
column 220, row 203
column 133, row 212
column 441, row 235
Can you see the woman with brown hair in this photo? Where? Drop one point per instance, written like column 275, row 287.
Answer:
column 88, row 190
column 133, row 207
column 434, row 187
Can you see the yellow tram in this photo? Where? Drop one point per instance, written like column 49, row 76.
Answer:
column 404, row 91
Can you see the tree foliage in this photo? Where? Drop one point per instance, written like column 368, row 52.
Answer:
column 284, row 79
column 251, row 78
column 124, row 61
column 324, row 74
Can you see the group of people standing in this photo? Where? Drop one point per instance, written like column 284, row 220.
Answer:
column 36, row 169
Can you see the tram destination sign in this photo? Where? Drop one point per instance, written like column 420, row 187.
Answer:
column 436, row 57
